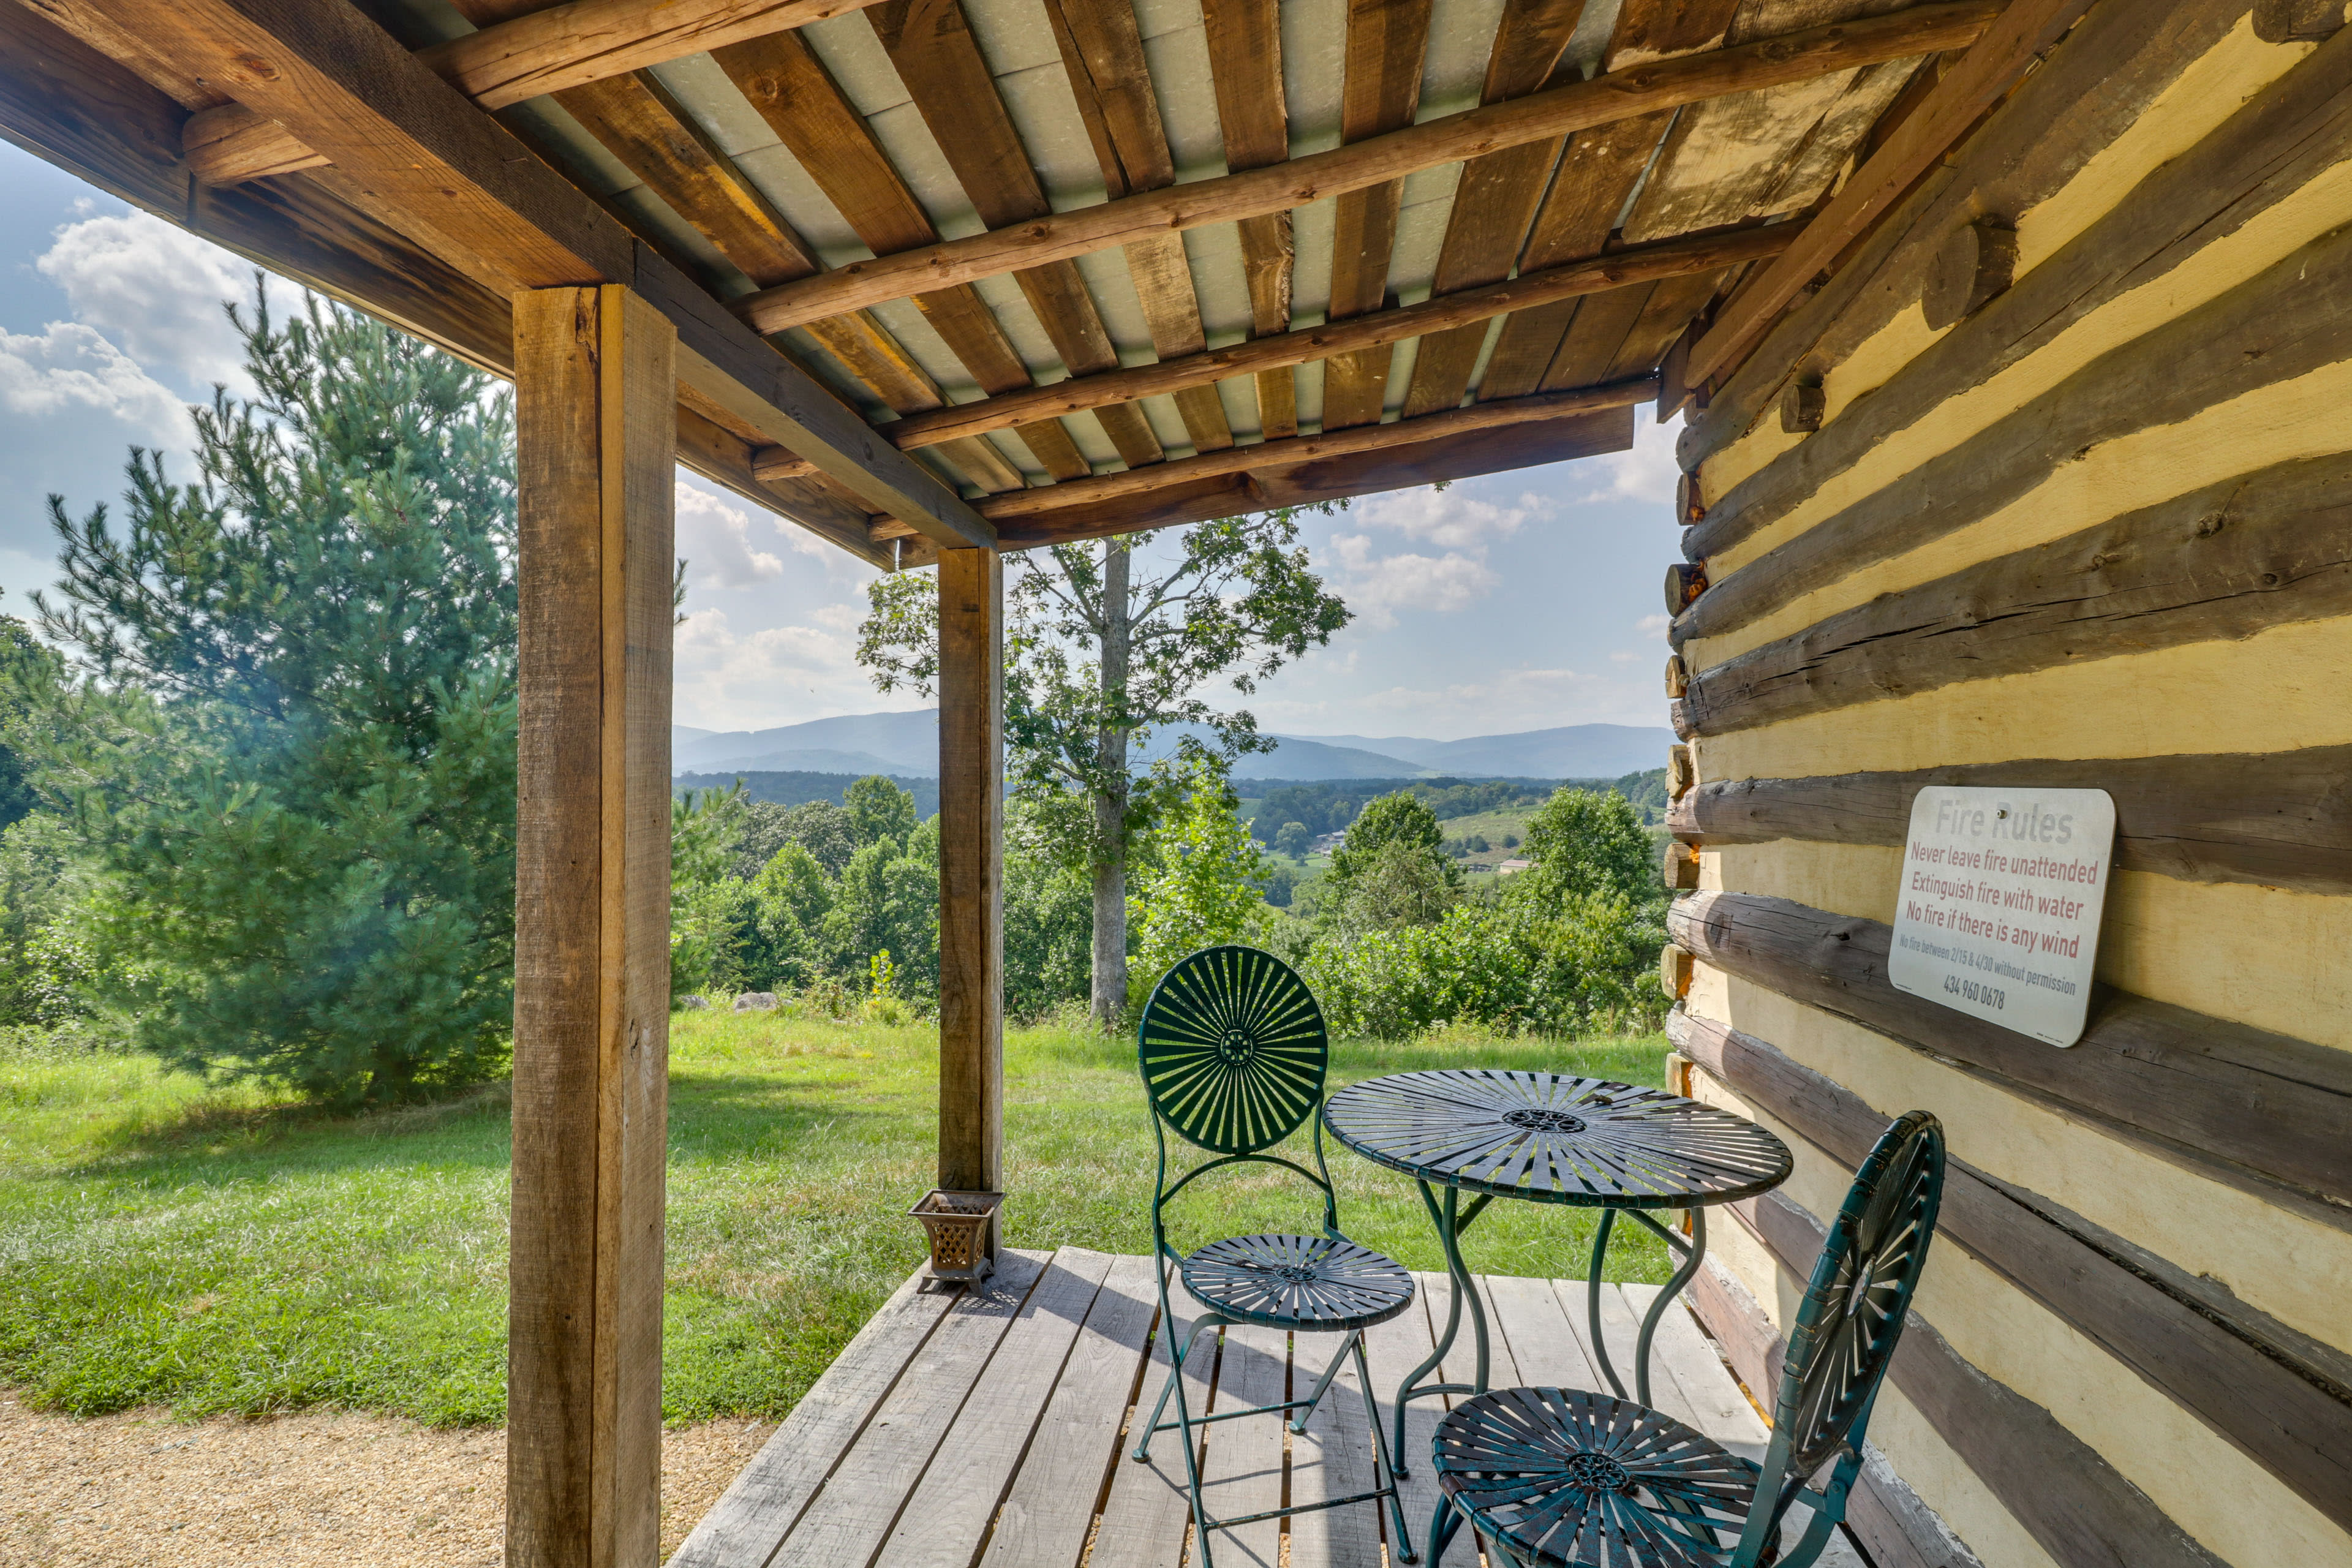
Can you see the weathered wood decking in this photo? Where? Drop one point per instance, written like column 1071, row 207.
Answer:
column 982, row 1428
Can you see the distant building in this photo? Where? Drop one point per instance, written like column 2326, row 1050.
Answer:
column 1513, row 868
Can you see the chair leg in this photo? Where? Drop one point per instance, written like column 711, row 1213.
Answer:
column 1384, row 1472
column 1202, row 1556
column 1355, row 1342
column 1176, row 1361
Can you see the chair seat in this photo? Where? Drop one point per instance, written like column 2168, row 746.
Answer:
column 1297, row 1282
column 1563, row 1476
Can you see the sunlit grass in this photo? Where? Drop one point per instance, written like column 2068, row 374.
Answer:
column 225, row 1250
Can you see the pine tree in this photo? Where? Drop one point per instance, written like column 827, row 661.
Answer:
column 287, row 737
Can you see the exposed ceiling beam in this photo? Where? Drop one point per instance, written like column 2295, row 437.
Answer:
column 1306, row 480
column 410, row 150
column 1050, row 499
column 1670, row 259
column 1983, row 77
column 1279, row 187
column 565, row 45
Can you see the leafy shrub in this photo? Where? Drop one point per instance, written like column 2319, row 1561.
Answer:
column 1500, row 966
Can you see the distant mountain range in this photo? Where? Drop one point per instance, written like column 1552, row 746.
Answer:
column 907, row 744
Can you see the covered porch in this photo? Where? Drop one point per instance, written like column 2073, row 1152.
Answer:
column 2012, row 458
column 992, row 1424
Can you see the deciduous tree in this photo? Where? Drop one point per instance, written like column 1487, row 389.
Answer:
column 1103, row 646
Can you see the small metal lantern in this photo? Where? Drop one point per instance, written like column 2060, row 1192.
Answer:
column 957, row 1224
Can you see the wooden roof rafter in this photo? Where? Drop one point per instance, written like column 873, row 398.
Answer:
column 1017, row 393
column 1362, row 165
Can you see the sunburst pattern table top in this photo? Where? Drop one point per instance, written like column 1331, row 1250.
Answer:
column 1550, row 1138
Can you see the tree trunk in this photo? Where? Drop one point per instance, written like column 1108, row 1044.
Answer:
column 1109, row 1002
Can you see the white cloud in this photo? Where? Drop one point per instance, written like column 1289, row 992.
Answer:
column 1654, row 626
column 1377, row 586
column 1461, row 527
column 726, row 679
column 71, row 368
column 1446, row 518
column 156, row 290
column 1646, row 473
column 715, row 538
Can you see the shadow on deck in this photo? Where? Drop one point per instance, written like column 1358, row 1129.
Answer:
column 984, row 1427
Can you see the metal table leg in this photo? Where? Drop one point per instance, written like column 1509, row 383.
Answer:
column 1450, row 1222
column 1693, row 1249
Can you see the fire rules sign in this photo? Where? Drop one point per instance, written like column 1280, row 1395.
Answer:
column 1999, row 916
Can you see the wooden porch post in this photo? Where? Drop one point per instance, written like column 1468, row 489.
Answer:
column 971, row 871
column 596, row 443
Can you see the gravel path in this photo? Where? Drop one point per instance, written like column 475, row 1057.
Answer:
column 142, row 1489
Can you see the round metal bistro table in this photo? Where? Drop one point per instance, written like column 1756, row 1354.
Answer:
column 1549, row 1139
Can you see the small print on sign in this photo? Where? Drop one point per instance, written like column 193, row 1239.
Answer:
column 1999, row 916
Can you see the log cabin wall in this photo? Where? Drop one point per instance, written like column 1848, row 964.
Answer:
column 2050, row 481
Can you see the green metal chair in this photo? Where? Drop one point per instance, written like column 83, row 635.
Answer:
column 1550, row 1476
column 1233, row 1051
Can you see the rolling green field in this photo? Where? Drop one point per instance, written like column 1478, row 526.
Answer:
column 220, row 1250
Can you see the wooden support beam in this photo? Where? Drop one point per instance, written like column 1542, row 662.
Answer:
column 1364, row 164
column 1386, row 46
column 589, row 40
column 2277, row 820
column 1992, row 66
column 1672, row 258
column 553, row 50
column 1244, row 39
column 932, row 48
column 1047, row 501
column 1102, row 53
column 2202, row 1091
column 412, row 152
column 1303, row 481
column 971, row 871
column 595, row 454
column 1486, row 228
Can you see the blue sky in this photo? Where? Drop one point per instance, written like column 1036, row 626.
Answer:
column 1518, row 602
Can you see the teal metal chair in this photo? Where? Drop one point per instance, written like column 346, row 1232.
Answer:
column 1233, row 1052
column 1550, row 1476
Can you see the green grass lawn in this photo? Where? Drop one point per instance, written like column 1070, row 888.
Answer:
column 221, row 1250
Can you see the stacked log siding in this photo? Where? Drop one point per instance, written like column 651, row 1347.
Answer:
column 2092, row 535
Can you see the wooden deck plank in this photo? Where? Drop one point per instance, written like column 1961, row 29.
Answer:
column 745, row 1525
column 960, row 1430
column 1148, row 1508
column 973, row 1468
column 1543, row 1347
column 1333, row 1458
column 1243, row 1474
column 1051, row 1507
column 1393, row 1348
column 848, row 1520
column 1723, row 1411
